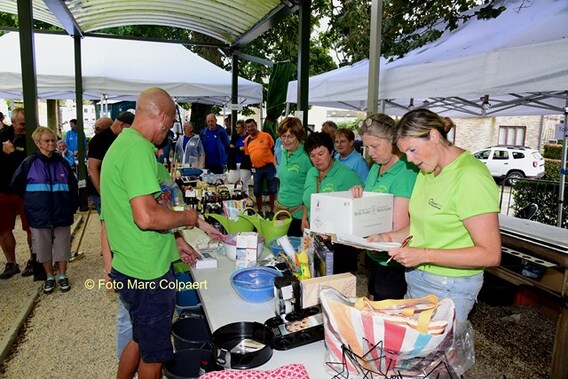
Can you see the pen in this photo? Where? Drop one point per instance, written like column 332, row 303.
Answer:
column 403, row 244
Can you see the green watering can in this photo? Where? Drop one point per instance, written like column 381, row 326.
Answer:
column 242, row 225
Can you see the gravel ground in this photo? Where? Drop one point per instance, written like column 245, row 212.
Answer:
column 67, row 335
column 71, row 335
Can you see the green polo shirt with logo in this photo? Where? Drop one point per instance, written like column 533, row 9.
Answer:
column 292, row 172
column 339, row 178
column 398, row 180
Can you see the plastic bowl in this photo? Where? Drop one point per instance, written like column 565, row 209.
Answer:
column 255, row 284
column 276, row 249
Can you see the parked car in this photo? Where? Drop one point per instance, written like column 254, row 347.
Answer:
column 512, row 162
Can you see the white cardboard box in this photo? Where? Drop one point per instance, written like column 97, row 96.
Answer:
column 206, row 259
column 339, row 212
column 247, row 249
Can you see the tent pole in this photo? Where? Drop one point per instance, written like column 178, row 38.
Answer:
column 29, row 82
column 81, row 168
column 374, row 56
column 563, row 171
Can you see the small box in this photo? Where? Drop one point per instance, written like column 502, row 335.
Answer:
column 205, row 259
column 324, row 264
column 339, row 212
column 247, row 249
column 345, row 283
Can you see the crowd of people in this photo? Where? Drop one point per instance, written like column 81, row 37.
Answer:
column 443, row 197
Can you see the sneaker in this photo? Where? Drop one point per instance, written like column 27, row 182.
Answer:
column 29, row 269
column 63, row 284
column 10, row 270
column 49, row 285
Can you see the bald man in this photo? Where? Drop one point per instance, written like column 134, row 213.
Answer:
column 102, row 123
column 135, row 225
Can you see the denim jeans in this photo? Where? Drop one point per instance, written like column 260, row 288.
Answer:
column 123, row 327
column 97, row 201
column 463, row 290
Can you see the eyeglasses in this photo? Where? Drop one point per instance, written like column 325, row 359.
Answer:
column 52, row 140
column 287, row 137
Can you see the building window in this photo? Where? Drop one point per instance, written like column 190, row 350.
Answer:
column 512, row 135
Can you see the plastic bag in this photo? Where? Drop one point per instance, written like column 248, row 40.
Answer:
column 461, row 355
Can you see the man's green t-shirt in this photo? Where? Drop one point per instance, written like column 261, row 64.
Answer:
column 292, row 172
column 129, row 170
column 339, row 178
column 440, row 204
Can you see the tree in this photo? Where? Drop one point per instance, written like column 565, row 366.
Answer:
column 407, row 24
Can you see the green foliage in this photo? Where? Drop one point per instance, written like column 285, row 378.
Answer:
column 552, row 169
column 543, row 193
column 352, row 124
column 9, row 20
column 552, row 151
column 406, row 24
column 280, row 44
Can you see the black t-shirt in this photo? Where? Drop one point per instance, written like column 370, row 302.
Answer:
column 100, row 143
column 10, row 162
column 98, row 147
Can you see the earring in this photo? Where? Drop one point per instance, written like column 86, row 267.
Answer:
column 162, row 128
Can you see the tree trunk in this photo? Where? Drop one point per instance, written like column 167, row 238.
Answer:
column 199, row 114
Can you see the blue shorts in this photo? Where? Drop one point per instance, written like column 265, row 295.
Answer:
column 267, row 172
column 462, row 290
column 151, row 306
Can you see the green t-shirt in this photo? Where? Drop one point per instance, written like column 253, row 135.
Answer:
column 440, row 204
column 398, row 180
column 130, row 170
column 339, row 178
column 162, row 175
column 292, row 172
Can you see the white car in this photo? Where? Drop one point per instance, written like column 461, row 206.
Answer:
column 512, row 162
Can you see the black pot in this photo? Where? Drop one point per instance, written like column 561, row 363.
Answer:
column 242, row 345
column 191, row 333
column 190, row 363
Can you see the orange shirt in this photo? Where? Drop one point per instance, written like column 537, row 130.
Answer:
column 260, row 149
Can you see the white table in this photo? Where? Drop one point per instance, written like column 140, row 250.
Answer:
column 223, row 306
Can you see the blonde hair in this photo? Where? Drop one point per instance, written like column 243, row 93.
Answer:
column 419, row 122
column 40, row 131
column 379, row 125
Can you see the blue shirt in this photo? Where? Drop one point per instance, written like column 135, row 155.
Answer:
column 72, row 141
column 357, row 163
column 69, row 157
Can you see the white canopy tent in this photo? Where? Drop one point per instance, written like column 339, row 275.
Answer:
column 120, row 70
column 519, row 60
